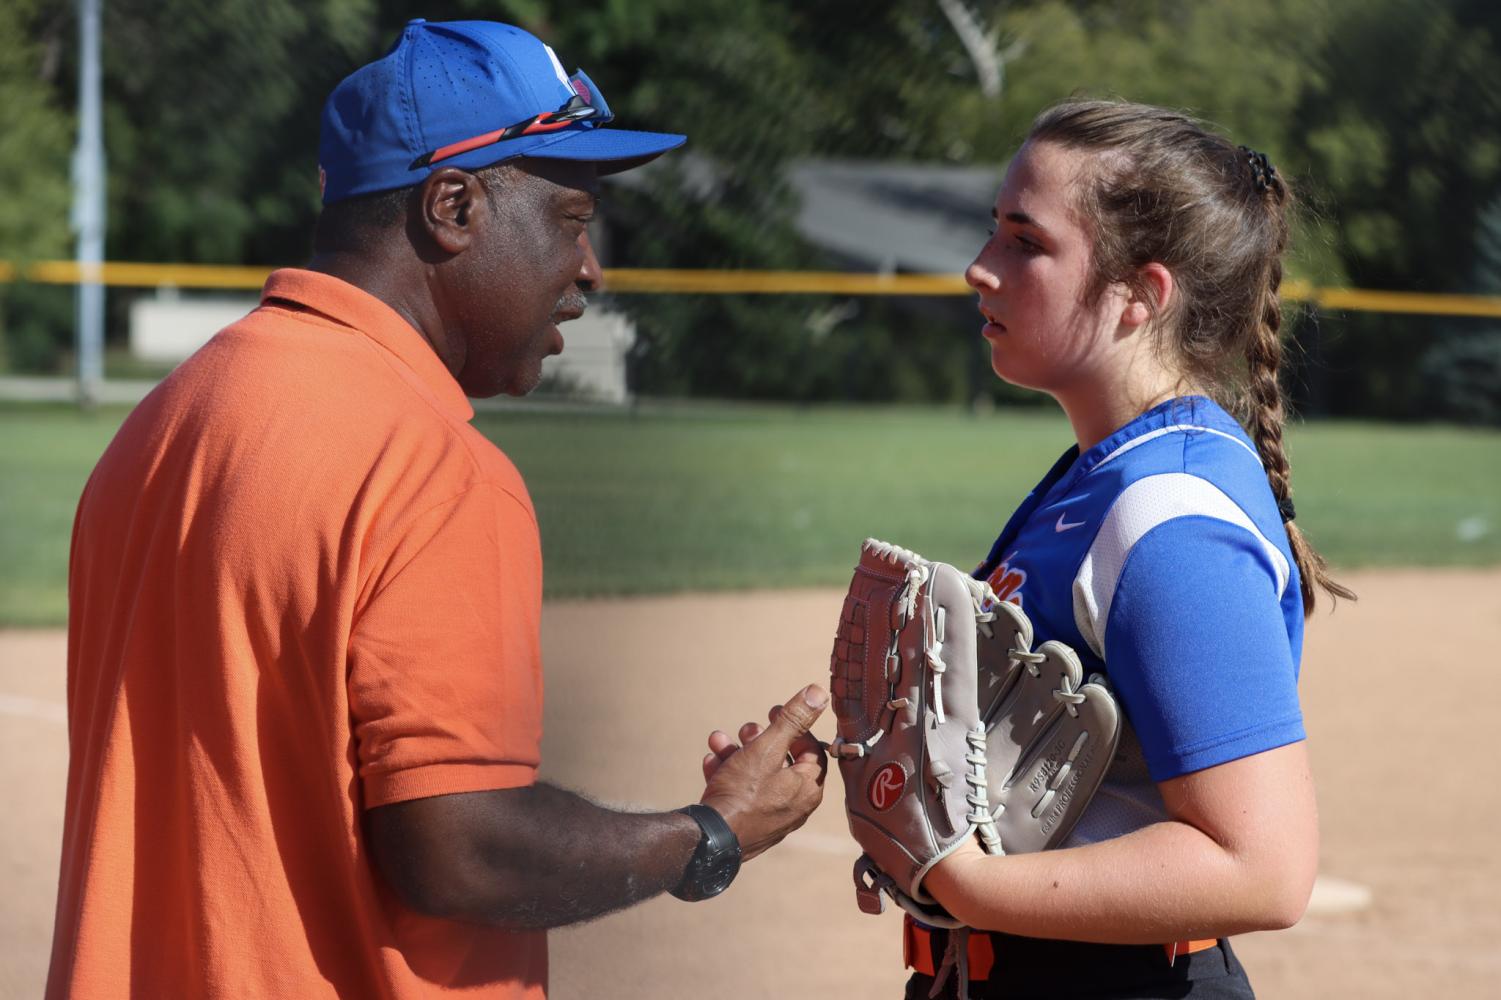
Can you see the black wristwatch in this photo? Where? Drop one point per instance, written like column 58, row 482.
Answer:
column 716, row 860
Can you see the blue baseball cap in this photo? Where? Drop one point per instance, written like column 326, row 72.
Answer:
column 466, row 94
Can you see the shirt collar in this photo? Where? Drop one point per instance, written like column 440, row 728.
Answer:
column 1182, row 412
column 357, row 309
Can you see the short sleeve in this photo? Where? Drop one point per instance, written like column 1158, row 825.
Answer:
column 1198, row 650
column 445, row 683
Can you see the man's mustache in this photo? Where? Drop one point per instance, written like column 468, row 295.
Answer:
column 571, row 305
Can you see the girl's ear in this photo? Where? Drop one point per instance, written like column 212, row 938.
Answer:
column 1153, row 299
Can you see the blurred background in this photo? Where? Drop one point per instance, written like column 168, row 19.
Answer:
column 859, row 141
column 784, row 308
column 830, row 135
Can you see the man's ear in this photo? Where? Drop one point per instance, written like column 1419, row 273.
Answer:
column 451, row 208
column 1150, row 299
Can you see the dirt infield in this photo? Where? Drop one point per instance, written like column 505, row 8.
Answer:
column 1395, row 689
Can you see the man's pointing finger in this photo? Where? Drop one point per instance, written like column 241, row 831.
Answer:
column 795, row 719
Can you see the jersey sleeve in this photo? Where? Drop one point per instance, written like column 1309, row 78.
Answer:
column 1197, row 648
column 445, row 683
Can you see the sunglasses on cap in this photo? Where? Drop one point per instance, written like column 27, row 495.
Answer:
column 586, row 105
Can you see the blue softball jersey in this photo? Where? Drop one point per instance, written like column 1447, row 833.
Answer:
column 1160, row 557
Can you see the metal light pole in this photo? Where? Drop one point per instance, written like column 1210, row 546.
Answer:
column 88, row 206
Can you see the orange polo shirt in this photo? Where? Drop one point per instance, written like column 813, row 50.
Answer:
column 301, row 585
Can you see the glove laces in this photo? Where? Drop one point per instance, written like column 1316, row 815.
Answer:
column 977, row 795
column 933, row 636
column 1070, row 698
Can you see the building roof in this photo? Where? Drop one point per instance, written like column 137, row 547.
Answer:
column 895, row 217
column 919, row 218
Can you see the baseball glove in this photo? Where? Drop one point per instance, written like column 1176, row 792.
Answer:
column 951, row 726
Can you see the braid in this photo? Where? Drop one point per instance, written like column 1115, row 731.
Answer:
column 1263, row 364
column 1268, row 414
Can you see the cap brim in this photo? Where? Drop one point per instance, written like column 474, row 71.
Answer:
column 612, row 149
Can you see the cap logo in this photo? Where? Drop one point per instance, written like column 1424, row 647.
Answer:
column 887, row 786
column 557, row 67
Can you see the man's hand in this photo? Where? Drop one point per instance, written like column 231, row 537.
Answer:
column 806, row 748
column 768, row 787
column 539, row 856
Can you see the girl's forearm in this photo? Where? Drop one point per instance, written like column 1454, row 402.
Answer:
column 1166, row 882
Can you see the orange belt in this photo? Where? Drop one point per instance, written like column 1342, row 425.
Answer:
column 917, row 950
column 1177, row 948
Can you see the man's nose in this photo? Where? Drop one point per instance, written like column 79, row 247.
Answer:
column 591, row 277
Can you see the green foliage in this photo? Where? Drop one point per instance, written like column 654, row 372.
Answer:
column 1380, row 148
column 34, row 160
column 1404, row 130
column 753, row 85
column 1463, row 378
column 1461, row 373
column 1386, row 114
column 1213, row 57
column 794, row 349
column 213, row 122
column 36, row 140
column 37, row 326
column 1487, row 271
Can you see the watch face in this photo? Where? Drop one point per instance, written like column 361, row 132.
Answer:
column 718, row 872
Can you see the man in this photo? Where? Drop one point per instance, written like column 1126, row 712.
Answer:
column 304, row 682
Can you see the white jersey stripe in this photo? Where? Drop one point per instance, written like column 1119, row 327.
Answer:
column 1173, row 429
column 1142, row 506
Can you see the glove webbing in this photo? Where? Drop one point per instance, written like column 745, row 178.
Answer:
column 906, row 609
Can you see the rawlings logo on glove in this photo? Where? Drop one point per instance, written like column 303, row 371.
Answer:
column 887, row 786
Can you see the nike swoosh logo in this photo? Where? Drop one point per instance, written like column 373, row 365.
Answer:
column 1063, row 525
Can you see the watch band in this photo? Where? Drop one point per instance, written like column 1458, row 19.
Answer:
column 715, row 861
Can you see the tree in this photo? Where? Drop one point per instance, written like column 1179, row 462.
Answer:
column 212, row 122
column 1404, row 128
column 34, row 174
column 1384, row 112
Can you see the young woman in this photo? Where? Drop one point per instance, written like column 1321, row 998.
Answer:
column 1132, row 275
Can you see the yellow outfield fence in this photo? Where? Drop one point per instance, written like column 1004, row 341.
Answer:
column 131, row 275
column 628, row 281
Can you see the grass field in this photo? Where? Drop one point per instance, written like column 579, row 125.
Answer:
column 668, row 498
